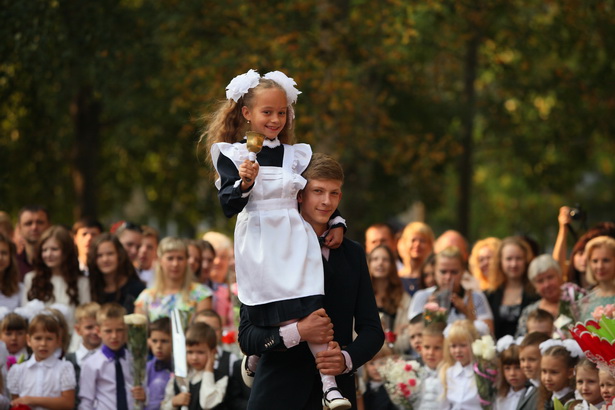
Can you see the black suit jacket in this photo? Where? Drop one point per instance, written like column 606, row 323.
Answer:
column 288, row 378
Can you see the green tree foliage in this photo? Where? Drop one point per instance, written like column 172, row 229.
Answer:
column 492, row 114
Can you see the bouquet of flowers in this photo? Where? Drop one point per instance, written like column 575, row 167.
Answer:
column 434, row 313
column 137, row 346
column 569, row 309
column 597, row 337
column 485, row 370
column 401, row 380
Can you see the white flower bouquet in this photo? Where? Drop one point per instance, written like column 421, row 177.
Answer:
column 485, row 370
column 401, row 380
column 137, row 346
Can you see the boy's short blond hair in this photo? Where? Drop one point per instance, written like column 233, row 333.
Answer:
column 86, row 311
column 110, row 311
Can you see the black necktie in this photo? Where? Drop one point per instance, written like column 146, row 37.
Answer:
column 120, row 391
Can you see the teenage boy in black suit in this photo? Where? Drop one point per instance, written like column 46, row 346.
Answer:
column 287, row 375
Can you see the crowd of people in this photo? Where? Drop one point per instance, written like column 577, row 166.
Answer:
column 88, row 278
column 293, row 314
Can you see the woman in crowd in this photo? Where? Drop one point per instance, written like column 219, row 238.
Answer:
column 56, row 277
column 481, row 256
column 174, row 284
column 208, row 255
column 195, row 255
column 414, row 246
column 510, row 288
column 113, row 277
column 600, row 265
column 10, row 287
column 545, row 275
column 448, row 292
column 387, row 286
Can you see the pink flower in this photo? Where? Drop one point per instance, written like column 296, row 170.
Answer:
column 11, row 360
column 432, row 306
column 408, row 367
column 609, row 310
column 412, row 382
column 598, row 312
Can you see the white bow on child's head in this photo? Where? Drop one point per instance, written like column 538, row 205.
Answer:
column 572, row 346
column 241, row 84
column 506, row 341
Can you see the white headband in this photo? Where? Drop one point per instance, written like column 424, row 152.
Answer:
column 241, row 84
column 506, row 341
column 571, row 345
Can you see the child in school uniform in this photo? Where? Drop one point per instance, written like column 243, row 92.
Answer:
column 44, row 381
column 607, row 385
column 159, row 368
column 432, row 353
column 588, row 385
column 106, row 380
column 85, row 327
column 557, row 366
column 204, row 392
column 529, row 358
column 456, row 372
column 512, row 380
column 540, row 320
column 375, row 396
column 13, row 333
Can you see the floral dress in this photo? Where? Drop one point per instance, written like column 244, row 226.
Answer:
column 157, row 306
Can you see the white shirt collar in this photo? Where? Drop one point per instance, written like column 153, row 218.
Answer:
column 562, row 392
column 83, row 352
column 49, row 362
column 512, row 393
column 459, row 370
column 271, row 143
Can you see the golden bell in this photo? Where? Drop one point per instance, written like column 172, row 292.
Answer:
column 254, row 141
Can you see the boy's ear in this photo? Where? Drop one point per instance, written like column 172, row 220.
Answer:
column 300, row 196
column 28, row 340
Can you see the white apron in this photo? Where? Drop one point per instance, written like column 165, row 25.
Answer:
column 277, row 254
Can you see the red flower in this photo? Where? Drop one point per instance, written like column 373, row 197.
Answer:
column 408, row 367
column 412, row 382
column 229, row 337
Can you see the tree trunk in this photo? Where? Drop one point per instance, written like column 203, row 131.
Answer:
column 85, row 113
column 466, row 168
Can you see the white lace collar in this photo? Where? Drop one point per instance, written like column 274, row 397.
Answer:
column 271, row 143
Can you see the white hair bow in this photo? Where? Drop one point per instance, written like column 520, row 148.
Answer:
column 569, row 344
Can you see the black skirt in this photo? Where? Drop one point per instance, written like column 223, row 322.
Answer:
column 274, row 313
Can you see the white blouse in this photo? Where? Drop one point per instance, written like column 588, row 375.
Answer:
column 47, row 378
column 59, row 290
column 461, row 390
column 431, row 391
column 510, row 401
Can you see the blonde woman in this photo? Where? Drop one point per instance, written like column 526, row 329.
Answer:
column 174, row 285
column 600, row 271
column 481, row 257
column 414, row 246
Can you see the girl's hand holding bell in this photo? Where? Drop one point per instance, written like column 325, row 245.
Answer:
column 247, row 172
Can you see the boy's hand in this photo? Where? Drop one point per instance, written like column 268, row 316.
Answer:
column 335, row 237
column 182, row 399
column 248, row 171
column 138, row 393
column 316, row 327
column 331, row 361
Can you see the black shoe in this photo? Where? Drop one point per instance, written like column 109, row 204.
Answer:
column 338, row 403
